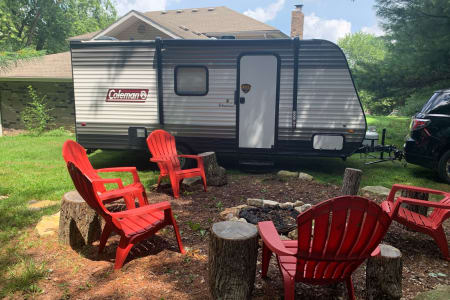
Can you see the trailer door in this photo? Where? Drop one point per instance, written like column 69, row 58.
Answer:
column 258, row 75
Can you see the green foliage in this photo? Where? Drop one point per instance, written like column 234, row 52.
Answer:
column 412, row 57
column 44, row 24
column 8, row 58
column 36, row 115
column 363, row 48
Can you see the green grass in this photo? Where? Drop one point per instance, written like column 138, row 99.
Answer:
column 32, row 168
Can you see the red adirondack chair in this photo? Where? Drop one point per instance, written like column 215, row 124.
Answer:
column 164, row 153
column 432, row 224
column 334, row 238
column 75, row 153
column 133, row 225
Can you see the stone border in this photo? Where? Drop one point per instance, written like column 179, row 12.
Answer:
column 232, row 213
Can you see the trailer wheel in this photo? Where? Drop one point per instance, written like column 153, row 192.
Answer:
column 444, row 167
column 185, row 163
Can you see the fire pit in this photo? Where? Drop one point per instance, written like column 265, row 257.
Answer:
column 283, row 219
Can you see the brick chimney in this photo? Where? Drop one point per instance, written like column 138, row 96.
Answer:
column 297, row 21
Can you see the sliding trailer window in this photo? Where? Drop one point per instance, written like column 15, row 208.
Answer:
column 191, row 80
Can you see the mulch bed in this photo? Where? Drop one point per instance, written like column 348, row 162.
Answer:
column 155, row 269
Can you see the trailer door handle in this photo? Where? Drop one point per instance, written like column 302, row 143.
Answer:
column 242, row 100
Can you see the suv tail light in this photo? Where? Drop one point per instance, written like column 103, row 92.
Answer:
column 417, row 124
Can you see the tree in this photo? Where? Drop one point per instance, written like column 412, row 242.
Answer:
column 47, row 24
column 418, row 33
column 363, row 48
column 363, row 52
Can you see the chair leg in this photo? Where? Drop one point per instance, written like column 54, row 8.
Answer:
column 266, row 255
column 204, row 180
column 104, row 237
column 175, row 182
column 350, row 289
column 441, row 241
column 169, row 219
column 289, row 288
column 122, row 252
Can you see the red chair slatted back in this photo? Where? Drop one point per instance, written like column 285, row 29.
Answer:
column 439, row 215
column 75, row 153
column 162, row 145
column 86, row 190
column 337, row 235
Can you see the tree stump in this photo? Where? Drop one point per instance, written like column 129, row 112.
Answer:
column 233, row 248
column 423, row 210
column 351, row 181
column 79, row 224
column 215, row 174
column 384, row 274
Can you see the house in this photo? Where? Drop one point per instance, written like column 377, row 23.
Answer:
column 52, row 75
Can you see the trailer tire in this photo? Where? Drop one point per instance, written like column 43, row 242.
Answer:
column 185, row 163
column 444, row 167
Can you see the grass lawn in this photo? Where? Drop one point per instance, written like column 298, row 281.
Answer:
column 32, row 168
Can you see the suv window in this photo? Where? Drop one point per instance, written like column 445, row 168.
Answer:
column 438, row 103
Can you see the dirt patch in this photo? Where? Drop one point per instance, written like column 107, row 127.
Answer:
column 155, row 269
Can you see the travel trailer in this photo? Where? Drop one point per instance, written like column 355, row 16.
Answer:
column 241, row 97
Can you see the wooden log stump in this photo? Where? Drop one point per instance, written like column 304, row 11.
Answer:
column 233, row 248
column 351, row 181
column 423, row 210
column 384, row 274
column 215, row 174
column 79, row 224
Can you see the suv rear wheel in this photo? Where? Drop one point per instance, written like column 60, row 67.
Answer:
column 444, row 167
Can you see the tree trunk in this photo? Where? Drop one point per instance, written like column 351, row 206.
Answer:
column 233, row 248
column 215, row 174
column 423, row 210
column 79, row 224
column 352, row 179
column 384, row 275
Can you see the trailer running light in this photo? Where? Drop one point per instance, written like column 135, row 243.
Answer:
column 417, row 124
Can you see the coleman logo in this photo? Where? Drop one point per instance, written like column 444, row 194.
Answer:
column 245, row 87
column 126, row 95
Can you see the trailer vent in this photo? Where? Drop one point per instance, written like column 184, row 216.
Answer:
column 179, row 11
column 211, row 9
column 184, row 27
column 194, row 10
column 164, row 12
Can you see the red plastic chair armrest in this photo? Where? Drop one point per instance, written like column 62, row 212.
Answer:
column 397, row 187
column 166, row 161
column 119, row 193
column 132, row 170
column 142, row 210
column 271, row 238
column 196, row 157
column 117, row 181
column 423, row 203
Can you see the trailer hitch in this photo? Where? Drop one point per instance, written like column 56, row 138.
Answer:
column 392, row 153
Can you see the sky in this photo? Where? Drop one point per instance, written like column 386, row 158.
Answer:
column 324, row 19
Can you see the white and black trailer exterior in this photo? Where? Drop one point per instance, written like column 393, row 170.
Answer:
column 244, row 97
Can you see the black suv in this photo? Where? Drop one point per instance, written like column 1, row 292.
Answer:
column 429, row 142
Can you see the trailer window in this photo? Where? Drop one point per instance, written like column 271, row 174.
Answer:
column 191, row 80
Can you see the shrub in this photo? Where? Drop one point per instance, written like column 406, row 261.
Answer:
column 374, row 106
column 36, row 115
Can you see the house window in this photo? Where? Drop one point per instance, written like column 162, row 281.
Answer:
column 191, row 80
